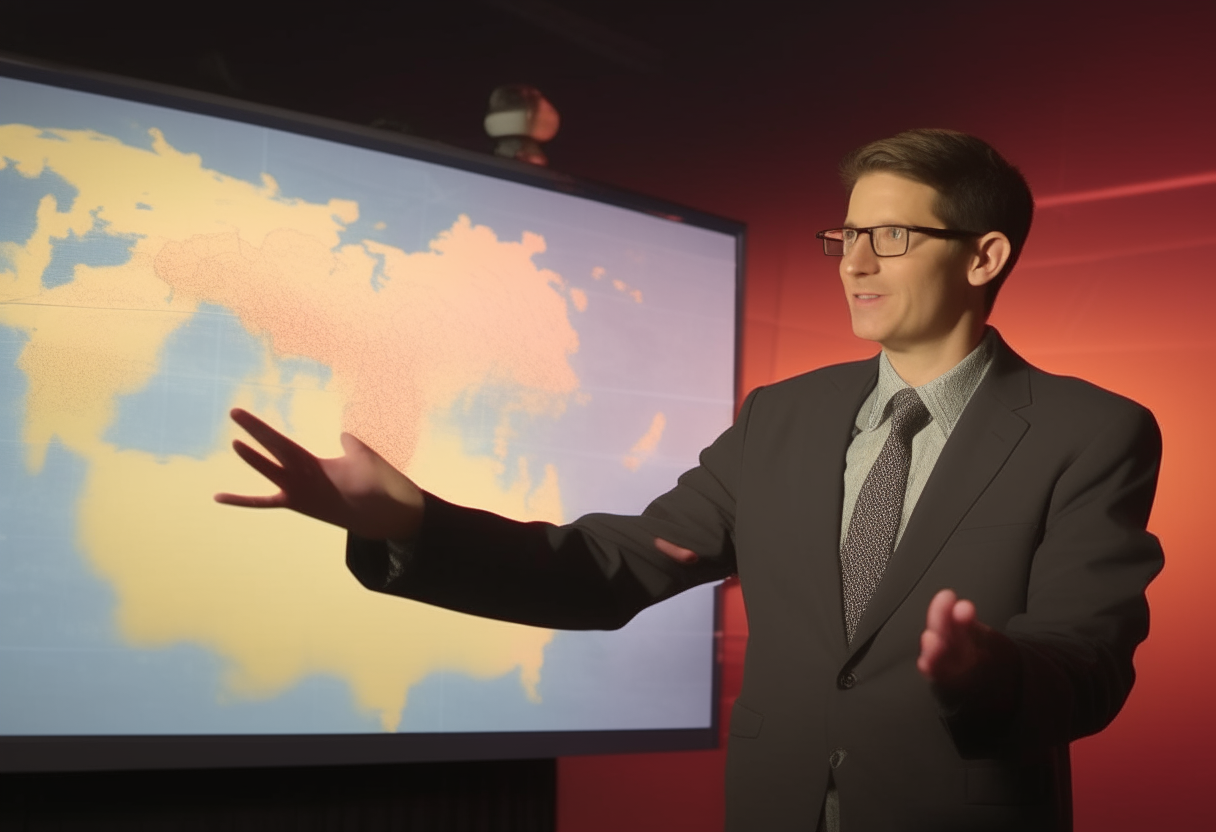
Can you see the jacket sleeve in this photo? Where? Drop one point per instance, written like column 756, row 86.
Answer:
column 595, row 573
column 1068, row 657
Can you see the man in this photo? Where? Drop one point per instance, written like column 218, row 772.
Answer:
column 942, row 550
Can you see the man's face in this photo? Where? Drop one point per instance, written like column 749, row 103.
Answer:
column 919, row 298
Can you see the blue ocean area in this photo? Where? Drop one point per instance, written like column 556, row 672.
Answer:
column 19, row 198
column 181, row 410
column 477, row 416
column 97, row 247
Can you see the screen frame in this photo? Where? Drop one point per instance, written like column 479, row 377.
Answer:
column 116, row 753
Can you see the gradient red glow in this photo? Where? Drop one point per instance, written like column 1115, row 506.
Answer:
column 1111, row 118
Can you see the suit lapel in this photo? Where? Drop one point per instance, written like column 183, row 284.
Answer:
column 830, row 428
column 978, row 447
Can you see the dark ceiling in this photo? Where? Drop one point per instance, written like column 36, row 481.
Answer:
column 735, row 107
column 621, row 67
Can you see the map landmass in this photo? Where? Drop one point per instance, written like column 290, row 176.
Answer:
column 405, row 339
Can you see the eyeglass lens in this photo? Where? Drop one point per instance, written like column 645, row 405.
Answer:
column 887, row 240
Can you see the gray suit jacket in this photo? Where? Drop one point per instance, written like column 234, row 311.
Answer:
column 1036, row 510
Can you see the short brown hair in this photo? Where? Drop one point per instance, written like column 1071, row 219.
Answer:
column 977, row 190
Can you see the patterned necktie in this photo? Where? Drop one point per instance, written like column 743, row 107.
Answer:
column 879, row 507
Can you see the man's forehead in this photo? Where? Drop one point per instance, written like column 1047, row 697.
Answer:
column 883, row 197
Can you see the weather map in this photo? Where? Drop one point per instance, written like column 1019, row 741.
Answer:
column 527, row 352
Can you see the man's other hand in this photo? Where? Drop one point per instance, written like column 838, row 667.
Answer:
column 358, row 491
column 954, row 644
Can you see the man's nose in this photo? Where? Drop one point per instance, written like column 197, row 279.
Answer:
column 860, row 258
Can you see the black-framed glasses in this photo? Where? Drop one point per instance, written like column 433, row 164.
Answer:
column 886, row 240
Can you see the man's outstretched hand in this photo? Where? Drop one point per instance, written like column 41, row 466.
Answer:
column 358, row 491
column 963, row 657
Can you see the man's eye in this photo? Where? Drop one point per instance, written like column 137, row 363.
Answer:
column 894, row 232
column 848, row 235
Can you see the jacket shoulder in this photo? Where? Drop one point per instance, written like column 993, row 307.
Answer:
column 1033, row 391
column 1083, row 397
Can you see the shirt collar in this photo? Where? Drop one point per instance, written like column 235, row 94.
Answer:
column 945, row 397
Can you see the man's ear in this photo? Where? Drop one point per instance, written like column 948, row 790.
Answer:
column 990, row 256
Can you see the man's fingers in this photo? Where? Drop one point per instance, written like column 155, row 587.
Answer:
column 272, row 501
column 951, row 644
column 931, row 648
column 963, row 613
column 938, row 618
column 941, row 634
column 676, row 553
column 282, row 448
column 259, row 463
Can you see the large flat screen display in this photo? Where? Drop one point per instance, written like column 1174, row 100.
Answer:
column 516, row 342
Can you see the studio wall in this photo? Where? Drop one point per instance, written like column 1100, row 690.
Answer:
column 1109, row 111
column 1112, row 117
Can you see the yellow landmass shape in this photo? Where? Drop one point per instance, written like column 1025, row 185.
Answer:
column 268, row 591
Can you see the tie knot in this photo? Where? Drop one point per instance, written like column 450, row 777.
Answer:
column 908, row 413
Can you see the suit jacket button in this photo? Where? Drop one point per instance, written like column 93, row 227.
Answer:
column 846, row 681
column 837, row 758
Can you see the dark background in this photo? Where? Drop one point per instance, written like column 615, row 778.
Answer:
column 742, row 109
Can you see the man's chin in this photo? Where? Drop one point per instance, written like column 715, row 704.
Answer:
column 868, row 332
